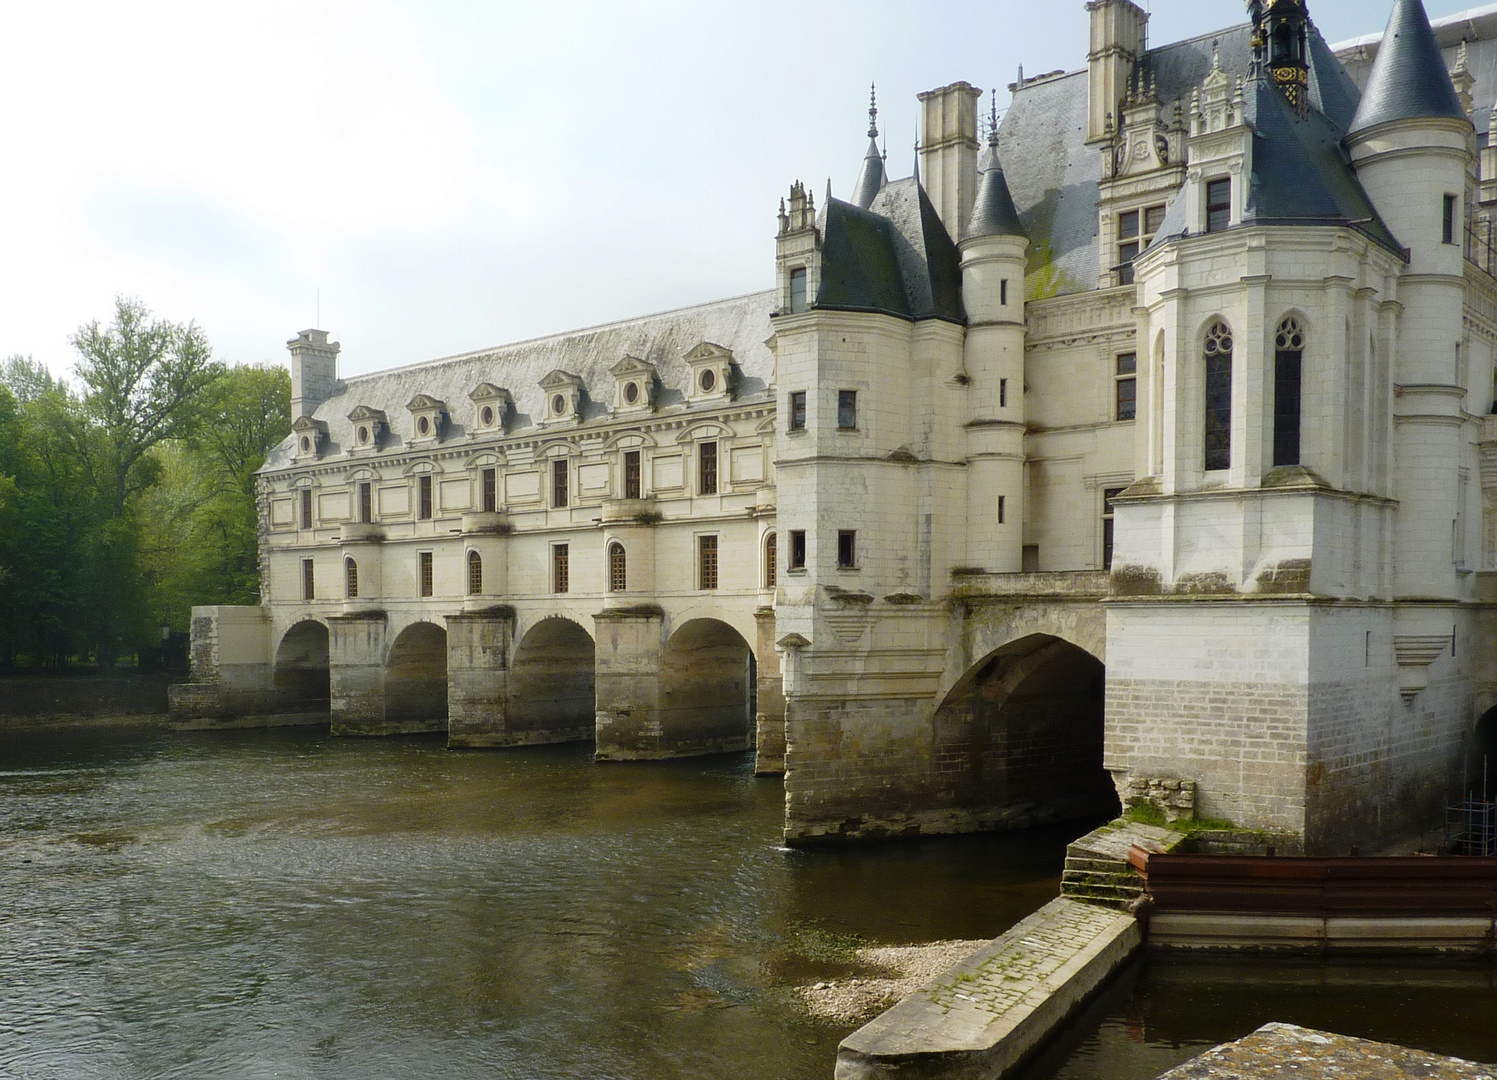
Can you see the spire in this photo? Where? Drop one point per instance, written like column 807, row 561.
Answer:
column 1408, row 80
column 916, row 173
column 873, row 178
column 993, row 211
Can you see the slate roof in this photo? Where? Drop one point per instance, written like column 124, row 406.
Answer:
column 993, row 211
column 1408, row 79
column 894, row 258
column 872, row 179
column 741, row 324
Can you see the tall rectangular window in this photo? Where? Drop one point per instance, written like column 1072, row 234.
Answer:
column 797, row 410
column 797, row 290
column 308, row 581
column 351, row 579
column 1447, row 230
column 707, row 468
column 561, row 568
column 1136, row 229
column 707, row 563
column 632, row 485
column 1002, row 509
column 475, row 573
column 1288, row 370
column 423, row 497
column 366, row 502
column 1107, row 533
column 1003, row 292
column 1218, row 205
column 1003, row 393
column 1126, row 390
column 847, row 549
column 1218, row 441
column 771, row 560
column 425, row 572
column 306, row 508
column 797, row 549
column 847, row 410
column 490, row 482
column 559, row 482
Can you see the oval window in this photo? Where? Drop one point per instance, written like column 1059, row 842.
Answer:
column 363, row 436
column 708, row 381
column 631, row 393
column 559, row 405
column 423, row 425
column 487, row 416
column 306, row 445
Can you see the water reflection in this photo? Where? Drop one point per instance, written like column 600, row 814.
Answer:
column 263, row 904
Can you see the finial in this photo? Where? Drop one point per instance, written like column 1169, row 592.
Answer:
column 993, row 119
column 873, row 111
column 1216, row 56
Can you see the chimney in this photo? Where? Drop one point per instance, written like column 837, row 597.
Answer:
column 314, row 371
column 1119, row 38
column 948, row 152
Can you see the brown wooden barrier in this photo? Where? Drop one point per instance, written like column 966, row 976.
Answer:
column 1344, row 887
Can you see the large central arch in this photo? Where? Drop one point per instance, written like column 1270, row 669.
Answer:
column 416, row 679
column 1019, row 738
column 302, row 673
column 552, row 685
column 707, row 690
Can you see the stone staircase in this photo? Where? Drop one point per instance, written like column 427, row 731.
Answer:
column 1097, row 869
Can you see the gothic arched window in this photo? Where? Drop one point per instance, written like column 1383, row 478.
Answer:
column 618, row 568
column 475, row 573
column 1218, row 356
column 351, row 578
column 1288, row 357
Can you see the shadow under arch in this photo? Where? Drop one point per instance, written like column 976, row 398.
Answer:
column 552, row 696
column 1481, row 766
column 708, row 690
column 416, row 679
column 1018, row 740
column 302, row 672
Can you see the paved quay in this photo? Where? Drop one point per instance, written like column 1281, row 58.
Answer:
column 981, row 1017
column 1283, row 1050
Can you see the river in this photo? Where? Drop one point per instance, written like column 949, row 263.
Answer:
column 285, row 904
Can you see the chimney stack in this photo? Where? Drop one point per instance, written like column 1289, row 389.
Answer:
column 314, row 371
column 1119, row 38
column 948, row 152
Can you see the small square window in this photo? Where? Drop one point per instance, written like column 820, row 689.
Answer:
column 1218, row 205
column 847, row 410
column 1128, row 224
column 847, row 549
column 707, row 549
column 559, row 482
column 797, row 410
column 1153, row 220
column 798, row 290
column 797, row 549
column 561, row 568
column 423, row 498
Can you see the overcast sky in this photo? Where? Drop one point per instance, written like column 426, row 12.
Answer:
column 452, row 175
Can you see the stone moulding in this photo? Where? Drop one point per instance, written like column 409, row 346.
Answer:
column 1415, row 653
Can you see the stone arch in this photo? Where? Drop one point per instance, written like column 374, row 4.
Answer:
column 990, row 629
column 552, row 695
column 416, row 679
column 1020, row 736
column 1483, row 759
column 708, row 677
column 301, row 671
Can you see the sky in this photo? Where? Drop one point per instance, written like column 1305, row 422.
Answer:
column 426, row 178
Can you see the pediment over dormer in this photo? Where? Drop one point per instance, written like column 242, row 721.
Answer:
column 489, row 392
column 563, row 396
column 558, row 379
column 493, row 404
column 310, row 437
column 430, row 415
column 426, row 403
column 711, row 372
column 369, row 427
column 633, row 384
column 707, row 351
column 365, row 413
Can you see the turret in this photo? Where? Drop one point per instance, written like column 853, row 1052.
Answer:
column 314, row 371
column 994, row 259
column 1411, row 145
column 873, row 178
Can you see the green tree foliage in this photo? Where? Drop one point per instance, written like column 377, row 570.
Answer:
column 131, row 499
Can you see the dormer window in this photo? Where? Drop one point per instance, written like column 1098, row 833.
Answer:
column 634, row 384
column 711, row 372
column 563, row 396
column 1218, row 205
column 798, row 290
column 310, row 436
column 369, row 427
column 429, row 416
column 492, row 407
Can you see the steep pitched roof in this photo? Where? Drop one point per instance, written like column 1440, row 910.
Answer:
column 993, row 211
column 894, row 258
column 1408, row 79
column 872, row 179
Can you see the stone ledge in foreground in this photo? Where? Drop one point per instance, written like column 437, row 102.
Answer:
column 1283, row 1050
column 980, row 1018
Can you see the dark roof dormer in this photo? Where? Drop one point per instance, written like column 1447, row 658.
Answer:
column 1408, row 80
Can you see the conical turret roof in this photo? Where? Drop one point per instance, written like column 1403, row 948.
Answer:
column 994, row 212
column 873, row 177
column 1409, row 80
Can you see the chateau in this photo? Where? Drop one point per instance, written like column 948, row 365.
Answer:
column 1140, row 446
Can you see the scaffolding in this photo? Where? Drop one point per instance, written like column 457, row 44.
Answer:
column 1471, row 826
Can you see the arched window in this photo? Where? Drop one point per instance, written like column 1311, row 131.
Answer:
column 475, row 573
column 351, row 578
column 1289, row 351
column 771, row 560
column 1218, row 354
column 618, row 568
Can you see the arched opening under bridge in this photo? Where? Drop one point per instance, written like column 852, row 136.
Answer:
column 708, row 687
column 552, row 696
column 1481, row 766
column 301, row 669
column 1018, row 740
column 416, row 679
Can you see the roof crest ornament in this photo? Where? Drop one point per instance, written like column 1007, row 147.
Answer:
column 873, row 111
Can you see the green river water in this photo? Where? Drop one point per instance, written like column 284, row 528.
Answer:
column 285, row 904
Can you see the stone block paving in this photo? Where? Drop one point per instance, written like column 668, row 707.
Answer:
column 1020, row 963
column 1283, row 1050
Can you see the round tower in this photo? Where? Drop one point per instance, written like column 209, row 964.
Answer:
column 995, row 255
column 1411, row 146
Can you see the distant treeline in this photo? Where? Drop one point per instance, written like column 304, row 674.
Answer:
column 127, row 495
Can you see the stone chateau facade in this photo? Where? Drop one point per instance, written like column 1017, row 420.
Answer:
column 1142, row 446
